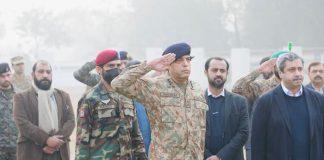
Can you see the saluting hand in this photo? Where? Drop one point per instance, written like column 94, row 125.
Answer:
column 161, row 64
column 267, row 66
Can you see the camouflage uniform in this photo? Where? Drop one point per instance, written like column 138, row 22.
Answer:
column 83, row 74
column 177, row 119
column 107, row 127
column 8, row 130
column 21, row 84
column 251, row 88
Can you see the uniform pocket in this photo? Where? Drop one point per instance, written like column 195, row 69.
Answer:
column 107, row 111
column 171, row 110
column 107, row 122
column 129, row 110
column 172, row 114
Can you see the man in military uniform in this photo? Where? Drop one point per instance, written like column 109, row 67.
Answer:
column 265, row 75
column 176, row 105
column 85, row 76
column 21, row 81
column 123, row 59
column 8, row 130
column 107, row 126
column 251, row 87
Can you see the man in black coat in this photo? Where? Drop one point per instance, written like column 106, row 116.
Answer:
column 288, row 120
column 227, row 118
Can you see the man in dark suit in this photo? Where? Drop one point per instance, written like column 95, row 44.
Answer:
column 44, row 118
column 316, row 77
column 288, row 120
column 227, row 118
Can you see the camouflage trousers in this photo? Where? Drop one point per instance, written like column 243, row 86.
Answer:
column 8, row 154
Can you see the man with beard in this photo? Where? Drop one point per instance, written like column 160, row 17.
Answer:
column 175, row 104
column 107, row 126
column 44, row 118
column 227, row 118
column 288, row 120
column 8, row 130
column 316, row 76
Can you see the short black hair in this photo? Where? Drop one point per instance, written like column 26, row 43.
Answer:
column 207, row 63
column 264, row 59
column 313, row 64
column 40, row 61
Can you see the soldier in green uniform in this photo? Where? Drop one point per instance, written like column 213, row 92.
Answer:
column 8, row 130
column 176, row 105
column 107, row 126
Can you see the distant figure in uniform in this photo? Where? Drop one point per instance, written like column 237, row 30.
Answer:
column 44, row 117
column 20, row 80
column 176, row 105
column 107, row 126
column 8, row 130
column 316, row 77
column 266, row 75
column 123, row 59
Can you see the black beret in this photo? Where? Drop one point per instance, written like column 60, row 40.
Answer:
column 179, row 49
column 123, row 55
column 4, row 67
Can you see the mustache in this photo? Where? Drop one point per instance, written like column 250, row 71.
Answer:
column 45, row 79
column 297, row 78
column 318, row 77
column 218, row 77
column 6, row 82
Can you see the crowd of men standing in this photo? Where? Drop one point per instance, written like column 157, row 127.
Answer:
column 152, row 110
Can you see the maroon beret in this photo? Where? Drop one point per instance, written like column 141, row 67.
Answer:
column 106, row 56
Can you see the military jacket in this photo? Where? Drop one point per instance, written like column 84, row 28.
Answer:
column 107, row 127
column 8, row 130
column 85, row 76
column 21, row 84
column 251, row 88
column 177, row 118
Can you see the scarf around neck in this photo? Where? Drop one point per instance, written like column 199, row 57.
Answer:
column 47, row 110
